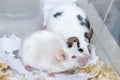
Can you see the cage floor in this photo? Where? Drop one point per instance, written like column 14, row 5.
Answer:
column 106, row 46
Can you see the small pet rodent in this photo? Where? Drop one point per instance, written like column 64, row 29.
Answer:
column 71, row 23
column 44, row 50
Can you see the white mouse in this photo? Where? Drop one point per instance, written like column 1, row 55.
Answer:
column 46, row 51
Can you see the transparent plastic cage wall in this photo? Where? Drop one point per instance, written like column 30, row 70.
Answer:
column 105, row 20
column 20, row 16
column 24, row 16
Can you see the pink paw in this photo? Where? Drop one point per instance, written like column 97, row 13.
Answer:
column 51, row 75
column 28, row 68
column 66, row 73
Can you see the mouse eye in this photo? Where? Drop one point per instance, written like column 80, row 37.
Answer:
column 81, row 50
column 73, row 57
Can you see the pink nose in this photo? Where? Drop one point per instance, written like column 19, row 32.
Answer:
column 84, row 59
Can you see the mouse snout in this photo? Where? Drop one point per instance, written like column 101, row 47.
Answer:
column 84, row 59
column 86, row 55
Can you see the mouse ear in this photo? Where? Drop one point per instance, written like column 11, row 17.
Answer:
column 61, row 56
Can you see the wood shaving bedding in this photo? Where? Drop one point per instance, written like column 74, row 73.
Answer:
column 4, row 73
column 101, row 71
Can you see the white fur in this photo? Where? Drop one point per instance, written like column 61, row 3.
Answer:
column 40, row 49
column 50, row 4
column 67, row 25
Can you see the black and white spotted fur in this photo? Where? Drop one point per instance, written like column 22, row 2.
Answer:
column 71, row 21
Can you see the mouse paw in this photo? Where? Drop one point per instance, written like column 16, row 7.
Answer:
column 66, row 73
column 51, row 75
column 28, row 68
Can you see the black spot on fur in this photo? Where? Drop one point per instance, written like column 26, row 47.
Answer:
column 86, row 36
column 83, row 23
column 78, row 44
column 87, row 23
column 69, row 45
column 79, row 17
column 89, row 49
column 57, row 14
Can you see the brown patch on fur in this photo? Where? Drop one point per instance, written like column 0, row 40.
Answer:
column 71, row 40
